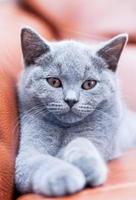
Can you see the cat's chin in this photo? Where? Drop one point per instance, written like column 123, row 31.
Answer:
column 69, row 118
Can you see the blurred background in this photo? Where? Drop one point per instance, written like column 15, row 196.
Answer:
column 85, row 20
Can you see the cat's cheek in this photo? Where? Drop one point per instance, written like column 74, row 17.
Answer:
column 92, row 99
column 79, row 112
column 49, row 96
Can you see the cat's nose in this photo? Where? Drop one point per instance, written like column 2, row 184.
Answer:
column 71, row 98
column 71, row 102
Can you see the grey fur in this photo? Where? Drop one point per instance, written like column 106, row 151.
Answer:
column 61, row 148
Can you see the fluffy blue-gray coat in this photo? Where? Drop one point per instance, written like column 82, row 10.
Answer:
column 72, row 116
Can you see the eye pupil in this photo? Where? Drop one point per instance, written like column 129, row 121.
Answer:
column 89, row 84
column 54, row 82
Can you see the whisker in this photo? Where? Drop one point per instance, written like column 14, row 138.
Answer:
column 88, row 109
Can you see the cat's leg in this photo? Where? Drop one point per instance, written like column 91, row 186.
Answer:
column 47, row 175
column 36, row 170
column 83, row 154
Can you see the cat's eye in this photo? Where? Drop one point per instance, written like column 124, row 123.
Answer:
column 54, row 82
column 89, row 84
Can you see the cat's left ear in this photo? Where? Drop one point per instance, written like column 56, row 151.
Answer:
column 111, row 51
column 33, row 45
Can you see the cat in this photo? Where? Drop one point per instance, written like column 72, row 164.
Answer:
column 73, row 119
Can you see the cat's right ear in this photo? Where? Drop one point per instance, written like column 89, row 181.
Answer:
column 33, row 46
column 111, row 50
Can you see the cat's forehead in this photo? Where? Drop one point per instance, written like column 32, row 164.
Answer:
column 73, row 59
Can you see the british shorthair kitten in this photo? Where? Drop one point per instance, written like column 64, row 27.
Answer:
column 72, row 116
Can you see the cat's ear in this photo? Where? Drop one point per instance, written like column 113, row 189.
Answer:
column 33, row 46
column 111, row 51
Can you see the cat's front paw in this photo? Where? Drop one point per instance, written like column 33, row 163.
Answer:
column 94, row 170
column 60, row 180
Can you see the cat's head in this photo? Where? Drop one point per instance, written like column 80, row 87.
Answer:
column 69, row 78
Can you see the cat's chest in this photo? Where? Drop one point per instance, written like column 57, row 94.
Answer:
column 77, row 131
column 58, row 137
column 55, row 138
column 50, row 139
column 97, row 133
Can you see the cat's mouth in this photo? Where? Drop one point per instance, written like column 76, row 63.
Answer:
column 71, row 116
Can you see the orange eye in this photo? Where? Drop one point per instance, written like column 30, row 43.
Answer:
column 89, row 84
column 54, row 82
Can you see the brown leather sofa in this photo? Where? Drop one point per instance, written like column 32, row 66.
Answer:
column 80, row 19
